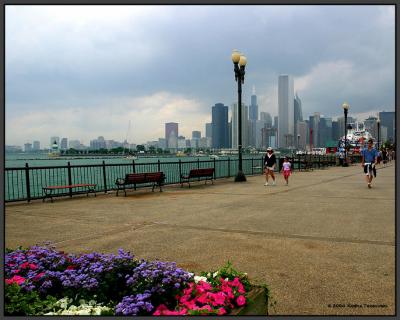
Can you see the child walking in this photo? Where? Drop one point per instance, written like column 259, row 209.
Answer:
column 286, row 169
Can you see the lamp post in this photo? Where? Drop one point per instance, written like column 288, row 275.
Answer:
column 346, row 108
column 239, row 62
column 378, row 122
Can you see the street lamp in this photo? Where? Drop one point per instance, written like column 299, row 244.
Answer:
column 346, row 108
column 379, row 130
column 239, row 62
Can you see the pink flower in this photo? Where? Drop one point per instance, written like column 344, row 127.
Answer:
column 236, row 282
column 71, row 267
column 33, row 266
column 241, row 300
column 16, row 279
column 191, row 305
column 203, row 298
column 219, row 298
column 38, row 276
column 241, row 289
column 162, row 310
column 221, row 311
column 206, row 307
column 228, row 292
column 204, row 285
column 25, row 265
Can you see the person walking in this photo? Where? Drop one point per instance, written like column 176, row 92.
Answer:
column 269, row 166
column 369, row 161
column 286, row 169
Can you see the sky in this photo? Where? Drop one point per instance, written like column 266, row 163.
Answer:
column 85, row 71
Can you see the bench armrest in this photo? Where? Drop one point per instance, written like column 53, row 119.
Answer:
column 120, row 181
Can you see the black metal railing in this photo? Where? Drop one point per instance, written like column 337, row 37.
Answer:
column 26, row 183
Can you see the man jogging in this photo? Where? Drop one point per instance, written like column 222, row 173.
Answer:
column 369, row 160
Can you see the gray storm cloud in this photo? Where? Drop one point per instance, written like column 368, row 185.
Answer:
column 110, row 61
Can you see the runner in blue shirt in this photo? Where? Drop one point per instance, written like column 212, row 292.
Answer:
column 369, row 160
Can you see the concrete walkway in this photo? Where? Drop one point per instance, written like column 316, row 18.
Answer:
column 324, row 240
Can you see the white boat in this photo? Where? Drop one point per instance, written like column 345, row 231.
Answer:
column 54, row 152
column 214, row 156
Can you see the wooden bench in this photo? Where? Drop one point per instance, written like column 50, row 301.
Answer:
column 198, row 173
column 133, row 179
column 48, row 191
column 306, row 165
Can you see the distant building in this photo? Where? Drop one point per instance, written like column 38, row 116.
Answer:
column 301, row 137
column 388, row 121
column 98, row 143
column 285, row 111
column 335, row 131
column 13, row 149
column 220, row 134
column 36, row 145
column 64, row 144
column 74, row 144
column 162, row 143
column 171, row 128
column 298, row 113
column 371, row 125
column 325, row 131
column 253, row 109
column 203, row 143
column 340, row 121
column 266, row 118
column 28, row 147
column 196, row 134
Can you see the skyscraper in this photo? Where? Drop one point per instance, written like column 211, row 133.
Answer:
column 371, row 124
column 301, row 136
column 64, row 144
column 171, row 133
column 335, row 131
column 220, row 134
column 314, row 126
column 253, row 112
column 36, row 145
column 196, row 134
column 285, row 111
column 298, row 113
column 388, row 121
column 235, row 126
column 266, row 118
column 324, row 131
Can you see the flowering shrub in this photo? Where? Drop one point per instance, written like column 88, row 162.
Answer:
column 42, row 280
column 65, row 306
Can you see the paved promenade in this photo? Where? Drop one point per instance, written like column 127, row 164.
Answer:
column 324, row 240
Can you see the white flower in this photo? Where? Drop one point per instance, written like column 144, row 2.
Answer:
column 208, row 274
column 215, row 274
column 197, row 279
column 84, row 312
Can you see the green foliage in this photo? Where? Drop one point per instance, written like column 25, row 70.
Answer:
column 19, row 302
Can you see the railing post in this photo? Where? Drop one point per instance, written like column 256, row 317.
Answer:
column 28, row 185
column 69, row 179
column 133, row 165
column 214, row 169
column 159, row 165
column 319, row 161
column 104, row 177
column 252, row 166
column 229, row 166
column 198, row 163
column 180, row 171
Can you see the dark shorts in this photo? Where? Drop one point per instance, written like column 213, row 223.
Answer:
column 369, row 169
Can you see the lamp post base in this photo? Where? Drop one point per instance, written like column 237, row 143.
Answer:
column 240, row 177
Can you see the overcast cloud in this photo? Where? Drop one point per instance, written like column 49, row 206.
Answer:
column 84, row 71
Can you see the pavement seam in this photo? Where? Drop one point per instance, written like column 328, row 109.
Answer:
column 109, row 232
column 281, row 235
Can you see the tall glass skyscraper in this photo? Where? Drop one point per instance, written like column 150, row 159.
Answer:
column 388, row 120
column 220, row 134
column 285, row 111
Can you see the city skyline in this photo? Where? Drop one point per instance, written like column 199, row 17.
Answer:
column 84, row 71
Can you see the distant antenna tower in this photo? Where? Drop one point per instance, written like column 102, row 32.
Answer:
column 254, row 89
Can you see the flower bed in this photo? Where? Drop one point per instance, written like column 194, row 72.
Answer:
column 43, row 281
